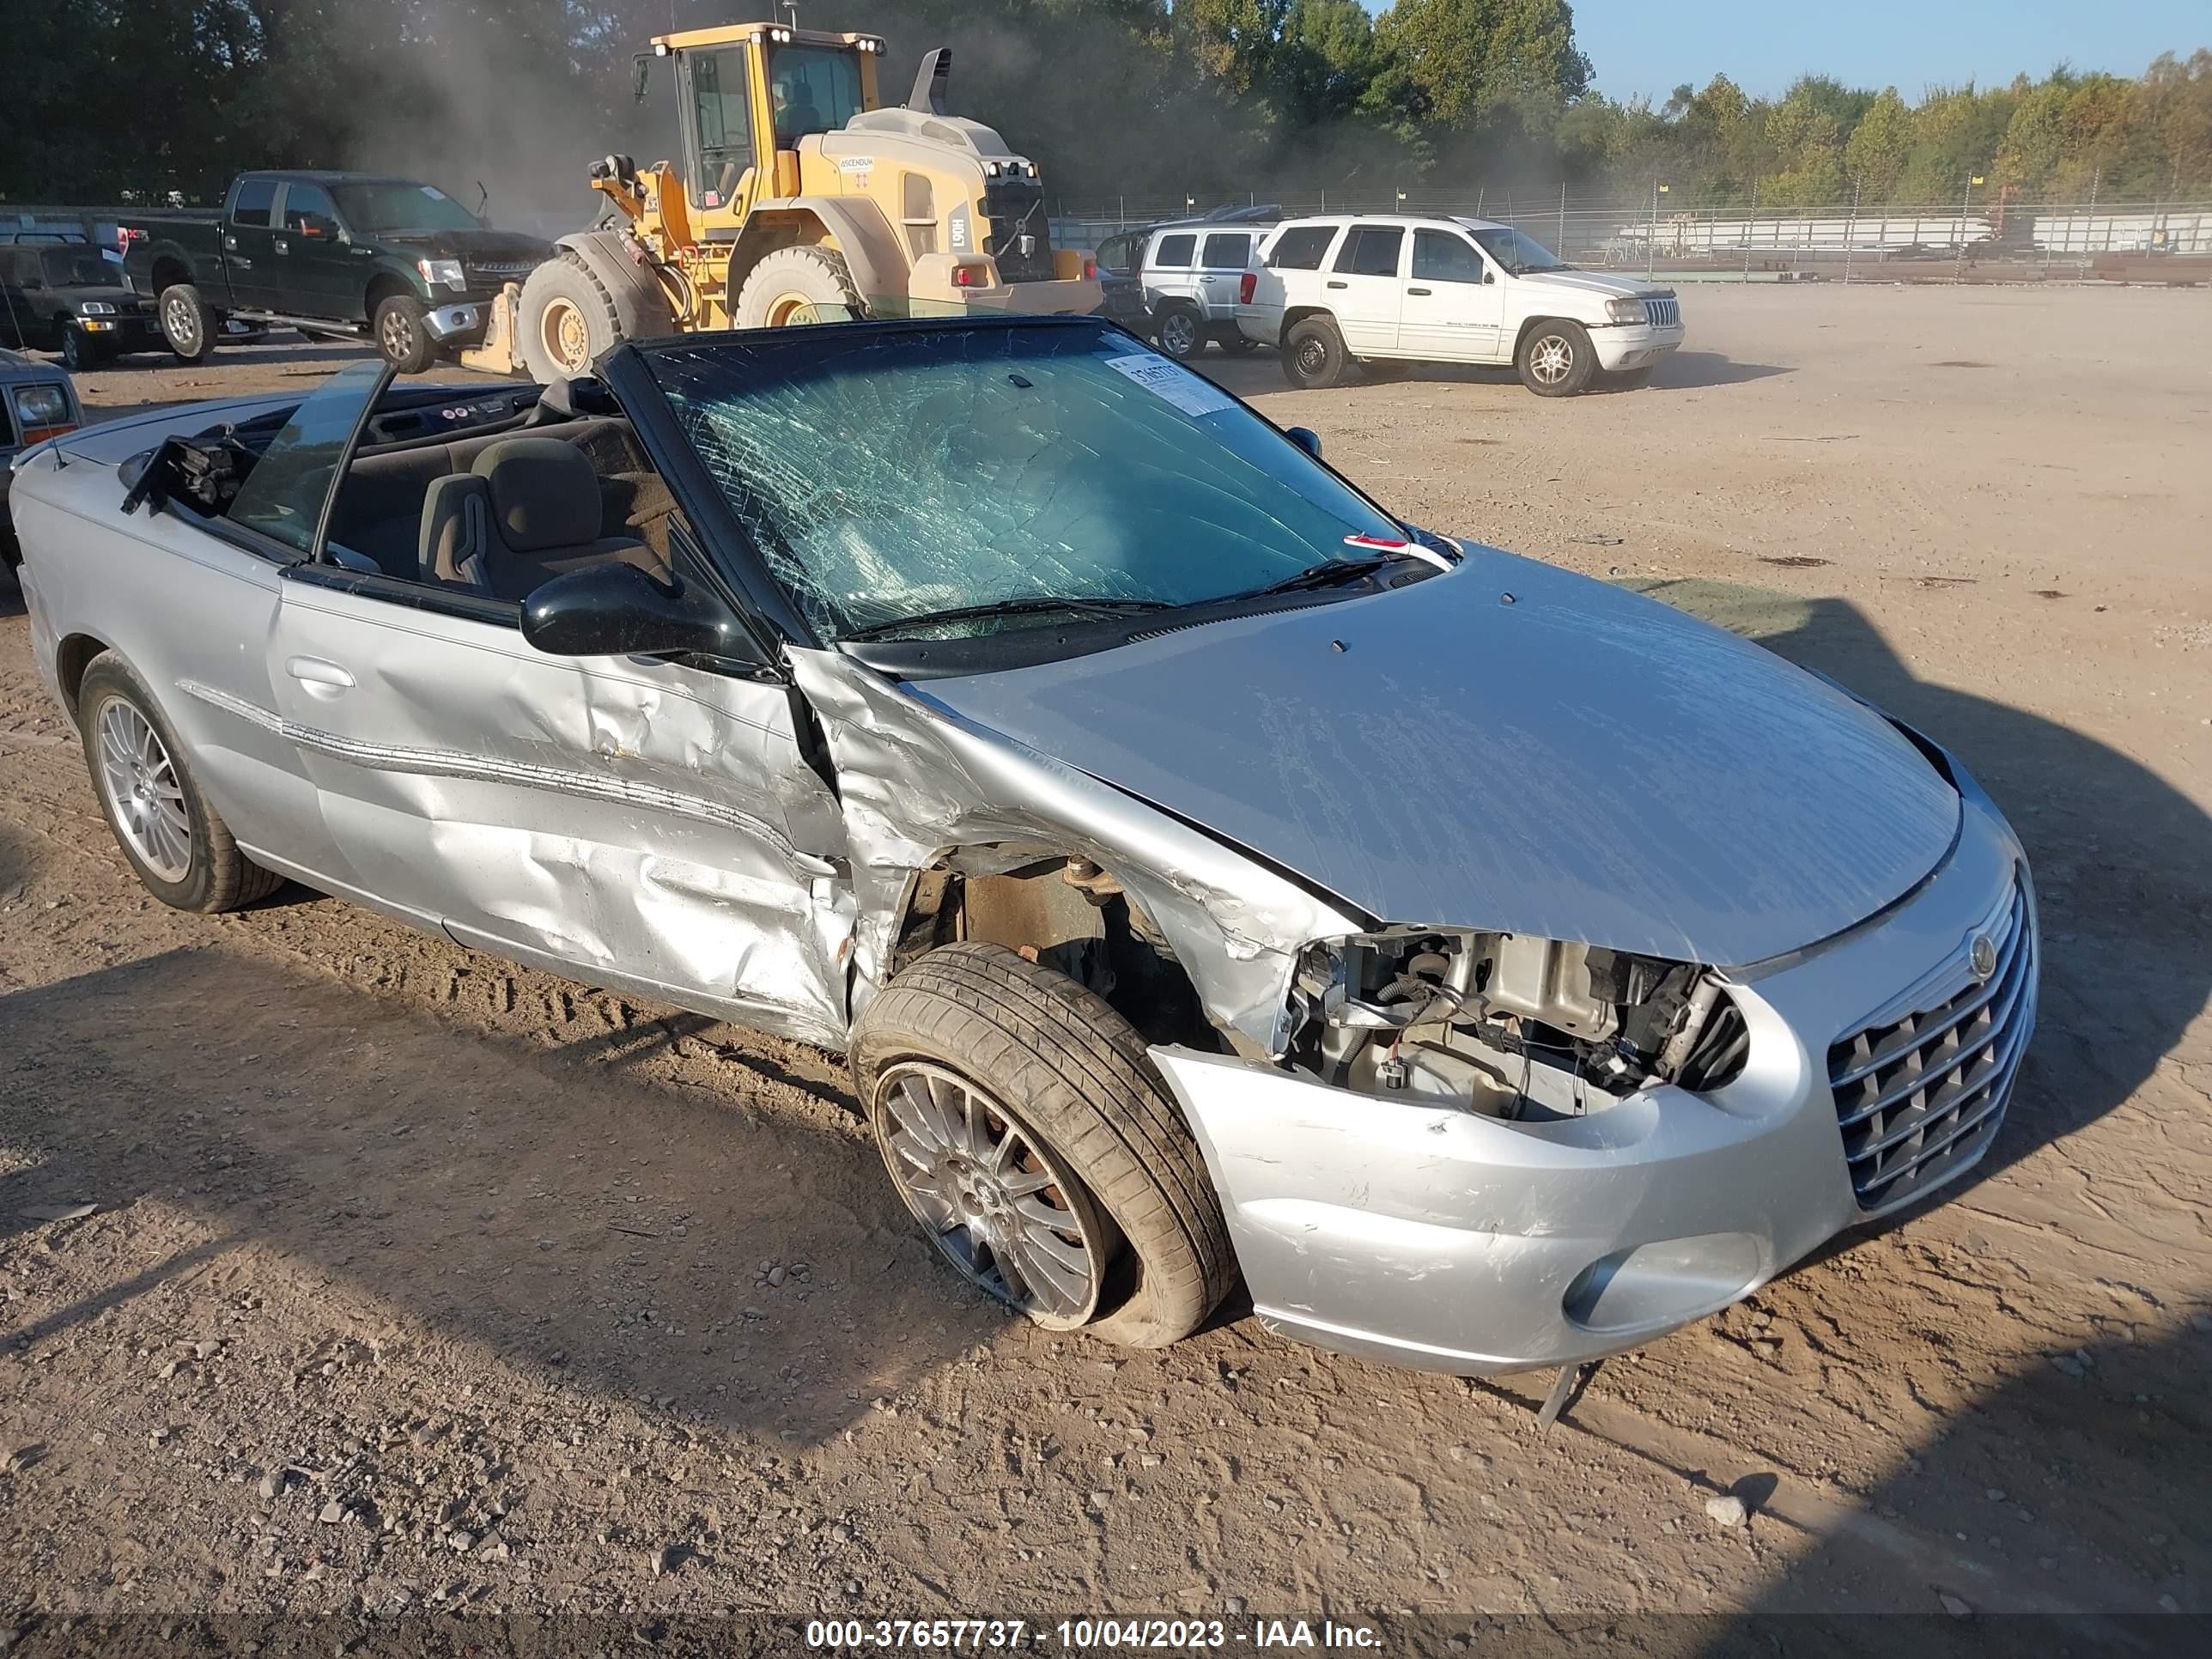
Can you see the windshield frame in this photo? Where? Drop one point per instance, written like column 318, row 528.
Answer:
column 775, row 613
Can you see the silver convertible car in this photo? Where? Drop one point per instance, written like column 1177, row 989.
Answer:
column 1206, row 872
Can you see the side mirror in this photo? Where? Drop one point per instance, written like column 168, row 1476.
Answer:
column 617, row 610
column 1305, row 438
column 1489, row 277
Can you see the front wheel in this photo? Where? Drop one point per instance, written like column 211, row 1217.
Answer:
column 1024, row 1127
column 80, row 351
column 402, row 338
column 181, row 850
column 1313, row 355
column 186, row 323
column 1556, row 359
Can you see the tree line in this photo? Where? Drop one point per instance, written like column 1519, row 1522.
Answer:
column 106, row 101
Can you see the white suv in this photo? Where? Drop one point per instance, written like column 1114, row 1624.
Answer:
column 1383, row 288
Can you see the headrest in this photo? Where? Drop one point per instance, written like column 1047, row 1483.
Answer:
column 543, row 493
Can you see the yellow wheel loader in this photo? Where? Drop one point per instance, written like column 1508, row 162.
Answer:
column 801, row 199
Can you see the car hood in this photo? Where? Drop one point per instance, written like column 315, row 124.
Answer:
column 1509, row 746
column 474, row 247
column 1610, row 284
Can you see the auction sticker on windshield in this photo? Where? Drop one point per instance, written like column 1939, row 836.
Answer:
column 1191, row 393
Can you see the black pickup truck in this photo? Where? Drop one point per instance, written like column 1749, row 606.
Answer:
column 335, row 253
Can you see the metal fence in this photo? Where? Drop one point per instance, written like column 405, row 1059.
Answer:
column 1746, row 241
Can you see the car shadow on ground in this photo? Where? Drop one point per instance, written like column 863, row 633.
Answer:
column 541, row 1204
column 2122, row 861
column 1979, row 1532
column 1685, row 370
column 1260, row 373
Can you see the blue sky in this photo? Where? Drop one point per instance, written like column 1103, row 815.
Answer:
column 1650, row 46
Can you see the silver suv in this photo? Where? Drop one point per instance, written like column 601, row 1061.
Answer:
column 1190, row 274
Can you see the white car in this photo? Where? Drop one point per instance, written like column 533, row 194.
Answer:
column 1375, row 289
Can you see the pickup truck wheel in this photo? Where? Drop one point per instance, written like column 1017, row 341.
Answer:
column 181, row 850
column 1556, row 358
column 1179, row 333
column 186, row 323
column 401, row 339
column 1314, row 354
column 799, row 285
column 1025, row 1129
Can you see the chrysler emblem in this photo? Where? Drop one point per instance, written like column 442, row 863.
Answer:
column 1982, row 956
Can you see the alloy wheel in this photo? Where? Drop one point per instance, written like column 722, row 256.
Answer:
column 995, row 1199
column 182, row 322
column 1552, row 360
column 144, row 795
column 1179, row 334
column 396, row 335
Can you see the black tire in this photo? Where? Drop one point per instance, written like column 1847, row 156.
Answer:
column 402, row 339
column 565, row 321
column 1074, row 1074
column 216, row 876
column 1555, row 358
column 80, row 351
column 186, row 323
column 1179, row 332
column 1314, row 356
column 799, row 285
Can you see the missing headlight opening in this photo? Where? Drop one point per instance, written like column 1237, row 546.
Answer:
column 1507, row 1026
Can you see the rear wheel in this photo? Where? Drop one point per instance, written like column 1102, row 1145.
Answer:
column 1556, row 359
column 1314, row 354
column 402, row 338
column 181, row 850
column 799, row 285
column 1022, row 1122
column 1179, row 333
column 186, row 323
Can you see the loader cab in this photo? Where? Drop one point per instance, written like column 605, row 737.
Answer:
column 747, row 94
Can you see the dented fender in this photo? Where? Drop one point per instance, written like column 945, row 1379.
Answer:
column 918, row 781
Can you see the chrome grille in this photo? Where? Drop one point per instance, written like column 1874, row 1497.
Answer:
column 1919, row 1096
column 1663, row 313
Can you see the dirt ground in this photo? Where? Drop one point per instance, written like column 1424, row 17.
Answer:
column 419, row 1281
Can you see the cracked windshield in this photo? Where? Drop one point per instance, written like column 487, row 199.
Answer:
column 939, row 485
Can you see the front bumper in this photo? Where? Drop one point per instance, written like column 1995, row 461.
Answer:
column 1639, row 346
column 1445, row 1240
column 459, row 322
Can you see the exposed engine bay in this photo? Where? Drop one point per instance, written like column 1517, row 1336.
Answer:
column 1507, row 1026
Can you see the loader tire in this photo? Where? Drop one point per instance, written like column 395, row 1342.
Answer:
column 565, row 320
column 800, row 285
column 1006, row 1098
